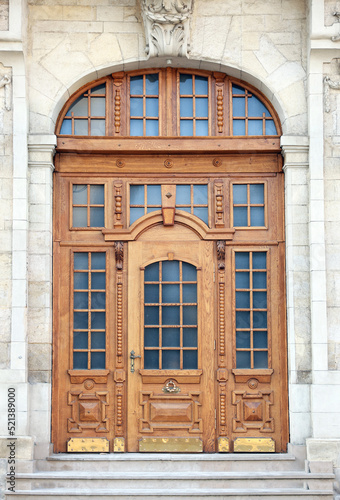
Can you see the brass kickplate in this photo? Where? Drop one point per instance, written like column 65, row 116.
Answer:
column 118, row 445
column 223, row 445
column 88, row 445
column 254, row 445
column 177, row 445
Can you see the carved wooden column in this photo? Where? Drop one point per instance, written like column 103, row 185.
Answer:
column 117, row 97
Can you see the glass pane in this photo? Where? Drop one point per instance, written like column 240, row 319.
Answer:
column 151, row 337
column 98, row 260
column 200, row 194
column 170, row 270
column 151, row 315
column 81, row 300
column 136, row 213
column 242, row 280
column 136, row 106
column 242, row 300
column 97, row 217
column 79, row 107
column 81, row 260
column 259, row 260
column 239, row 127
column 256, row 193
column 98, row 340
column 243, row 340
column 79, row 217
column 189, row 293
column 256, row 108
column 170, row 360
column 242, row 319
column 239, row 106
column 151, row 272
column 189, row 272
column 187, row 128
column 100, row 89
column 152, row 209
column 202, row 127
column 80, row 281
column 137, row 195
column 81, row 127
column 201, row 85
column 260, row 300
column 243, row 359
column 80, row 360
column 170, row 337
column 79, row 194
column 189, row 337
column 260, row 359
column 98, row 300
column 151, row 128
column 202, row 107
column 240, row 194
column 189, row 315
column 170, row 293
column 202, row 213
column 136, row 85
column 238, row 90
column 190, row 360
column 98, row 281
column 240, row 217
column 151, row 360
column 136, row 127
column 185, row 85
column 242, row 260
column 270, row 128
column 98, row 127
column 97, row 194
column 187, row 109
column 170, row 315
column 260, row 340
column 151, row 84
column 151, row 294
column 259, row 280
column 98, row 106
column 80, row 340
column 98, row 321
column 257, row 216
column 66, row 128
column 97, row 360
column 154, row 195
column 80, row 320
column 255, row 127
column 182, row 195
column 259, row 319
column 152, row 107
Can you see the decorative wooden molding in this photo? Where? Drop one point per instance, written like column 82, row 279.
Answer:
column 219, row 212
column 244, row 375
column 118, row 206
column 117, row 83
column 220, row 245
column 119, row 251
column 168, row 204
column 329, row 84
column 80, row 376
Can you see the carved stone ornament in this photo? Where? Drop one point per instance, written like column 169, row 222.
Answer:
column 5, row 82
column 328, row 83
column 166, row 24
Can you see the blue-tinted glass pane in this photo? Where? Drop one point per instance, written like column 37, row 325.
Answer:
column 136, row 127
column 151, row 315
column 136, row 213
column 170, row 360
column 98, row 106
column 79, row 107
column 98, row 340
column 189, row 337
column 257, row 216
column 200, row 194
column 100, row 89
column 259, row 260
column 98, row 300
column 151, row 127
column 154, row 195
column 270, row 128
column 186, row 106
column 151, row 337
column 152, row 107
column 185, row 209
column 170, row 293
column 202, row 127
column 259, row 300
column 152, row 209
column 190, row 360
column 202, row 107
column 255, row 127
column 151, row 272
column 80, row 281
column 136, row 85
column 97, row 360
column 243, row 359
column 189, row 272
column 151, row 294
column 81, row 300
column 259, row 319
column 151, row 84
column 239, row 127
column 240, row 194
column 136, row 195
column 79, row 194
column 201, row 85
column 242, row 319
column 81, row 127
column 239, row 107
column 98, row 127
column 80, row 340
column 256, row 108
column 202, row 213
column 187, row 128
column 136, row 106
column 98, row 281
column 189, row 315
column 242, row 280
column 80, row 360
column 66, row 128
column 182, row 195
column 242, row 300
column 260, row 359
column 98, row 321
column 151, row 360
column 240, row 217
column 256, row 193
column 97, row 194
column 97, row 217
column 259, row 280
column 238, row 90
column 242, row 260
column 185, row 84
column 79, row 217
column 80, row 320
column 170, row 270
column 170, row 337
column 243, row 340
column 260, row 340
column 81, row 260
column 170, row 315
column 98, row 260
column 189, row 293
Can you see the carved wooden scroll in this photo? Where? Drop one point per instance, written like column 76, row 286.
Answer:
column 119, row 375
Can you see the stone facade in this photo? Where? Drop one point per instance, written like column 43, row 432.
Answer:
column 286, row 48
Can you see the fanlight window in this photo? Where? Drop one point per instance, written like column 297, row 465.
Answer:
column 168, row 102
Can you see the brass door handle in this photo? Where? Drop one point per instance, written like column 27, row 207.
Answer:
column 132, row 363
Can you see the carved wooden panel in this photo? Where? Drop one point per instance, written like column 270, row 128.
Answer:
column 88, row 411
column 219, row 204
column 253, row 411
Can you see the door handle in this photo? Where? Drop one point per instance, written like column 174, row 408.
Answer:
column 132, row 363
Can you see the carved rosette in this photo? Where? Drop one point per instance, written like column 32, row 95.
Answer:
column 166, row 24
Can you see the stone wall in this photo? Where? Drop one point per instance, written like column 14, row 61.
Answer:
column 4, row 15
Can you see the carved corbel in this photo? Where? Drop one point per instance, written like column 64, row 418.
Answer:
column 336, row 38
column 328, row 83
column 5, row 82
